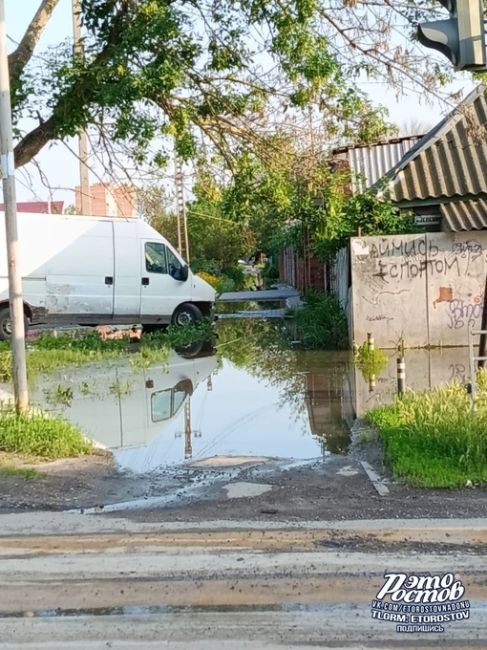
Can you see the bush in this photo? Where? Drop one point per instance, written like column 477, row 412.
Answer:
column 237, row 276
column 434, row 439
column 213, row 280
column 322, row 324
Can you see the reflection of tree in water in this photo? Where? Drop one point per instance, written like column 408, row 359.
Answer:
column 326, row 377
column 310, row 381
column 263, row 349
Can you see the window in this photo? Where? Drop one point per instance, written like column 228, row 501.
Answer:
column 155, row 257
column 166, row 403
column 178, row 399
column 161, row 405
column 174, row 265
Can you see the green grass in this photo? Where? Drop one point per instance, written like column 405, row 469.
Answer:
column 28, row 473
column 40, row 436
column 370, row 362
column 50, row 353
column 433, row 439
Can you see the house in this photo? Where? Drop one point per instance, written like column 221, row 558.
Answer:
column 443, row 177
column 426, row 288
column 368, row 164
column 108, row 199
column 40, row 207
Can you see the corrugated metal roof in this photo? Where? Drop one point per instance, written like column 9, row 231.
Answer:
column 371, row 162
column 465, row 215
column 450, row 160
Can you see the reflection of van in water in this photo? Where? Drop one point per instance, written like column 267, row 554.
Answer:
column 124, row 407
column 92, row 270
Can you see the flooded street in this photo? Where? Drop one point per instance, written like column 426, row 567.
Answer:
column 248, row 394
column 249, row 515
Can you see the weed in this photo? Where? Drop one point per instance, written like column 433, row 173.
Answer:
column 368, row 436
column 39, row 435
column 321, row 323
column 85, row 388
column 28, row 473
column 149, row 356
column 5, row 364
column 370, row 361
column 59, row 395
column 120, row 388
column 433, row 439
column 50, row 352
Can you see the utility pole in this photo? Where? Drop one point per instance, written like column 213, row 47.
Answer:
column 183, row 242
column 84, row 174
column 21, row 393
column 188, row 443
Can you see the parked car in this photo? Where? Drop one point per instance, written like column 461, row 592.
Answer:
column 101, row 270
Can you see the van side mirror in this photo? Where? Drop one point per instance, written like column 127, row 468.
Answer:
column 181, row 273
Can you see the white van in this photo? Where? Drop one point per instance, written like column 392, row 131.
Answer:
column 92, row 270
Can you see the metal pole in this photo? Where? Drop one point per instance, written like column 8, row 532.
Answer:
column 401, row 375
column 179, row 199
column 473, row 374
column 483, row 328
column 21, row 394
column 84, row 172
column 183, row 241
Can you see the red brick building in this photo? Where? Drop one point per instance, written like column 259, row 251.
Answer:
column 41, row 207
column 110, row 200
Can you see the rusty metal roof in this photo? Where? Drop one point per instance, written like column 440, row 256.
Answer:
column 465, row 215
column 370, row 162
column 450, row 160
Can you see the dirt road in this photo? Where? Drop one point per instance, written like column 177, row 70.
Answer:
column 69, row 581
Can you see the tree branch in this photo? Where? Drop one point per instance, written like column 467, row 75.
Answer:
column 81, row 91
column 23, row 53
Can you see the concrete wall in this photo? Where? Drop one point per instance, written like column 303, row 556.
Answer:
column 427, row 289
column 425, row 369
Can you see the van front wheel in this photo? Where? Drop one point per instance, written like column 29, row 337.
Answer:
column 187, row 314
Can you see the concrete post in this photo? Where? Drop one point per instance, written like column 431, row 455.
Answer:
column 21, row 394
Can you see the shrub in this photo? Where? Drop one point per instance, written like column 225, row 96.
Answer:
column 321, row 322
column 434, row 439
column 211, row 279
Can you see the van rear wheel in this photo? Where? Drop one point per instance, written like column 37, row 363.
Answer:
column 187, row 314
column 6, row 324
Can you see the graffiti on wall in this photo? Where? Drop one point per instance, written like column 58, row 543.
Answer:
column 399, row 260
column 438, row 278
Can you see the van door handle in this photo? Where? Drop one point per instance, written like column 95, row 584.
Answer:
column 108, row 279
column 145, row 281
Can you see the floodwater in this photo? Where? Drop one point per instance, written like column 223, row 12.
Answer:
column 249, row 395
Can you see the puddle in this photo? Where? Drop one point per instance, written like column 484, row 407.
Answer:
column 250, row 399
column 241, row 489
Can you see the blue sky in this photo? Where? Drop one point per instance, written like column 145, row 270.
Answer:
column 61, row 167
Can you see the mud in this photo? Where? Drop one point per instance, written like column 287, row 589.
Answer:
column 333, row 488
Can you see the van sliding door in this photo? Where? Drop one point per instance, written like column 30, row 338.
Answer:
column 80, row 269
column 127, row 270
